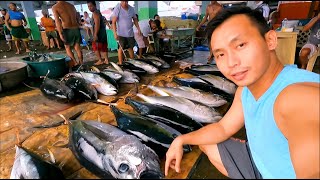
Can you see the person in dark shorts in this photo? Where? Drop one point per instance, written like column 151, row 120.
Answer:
column 68, row 23
column 48, row 23
column 278, row 106
column 122, row 26
column 100, row 40
column 16, row 27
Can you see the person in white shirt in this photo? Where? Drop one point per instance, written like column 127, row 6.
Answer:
column 142, row 40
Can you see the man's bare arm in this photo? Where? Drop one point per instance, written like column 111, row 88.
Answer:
column 205, row 18
column 136, row 23
column 96, row 18
column 297, row 116
column 311, row 23
column 114, row 26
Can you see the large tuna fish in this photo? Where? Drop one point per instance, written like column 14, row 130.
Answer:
column 81, row 88
column 127, row 76
column 164, row 64
column 220, row 83
column 169, row 116
column 102, row 85
column 147, row 129
column 28, row 165
column 109, row 152
column 197, row 111
column 209, row 99
column 56, row 90
column 204, row 85
column 149, row 68
column 204, row 69
column 137, row 70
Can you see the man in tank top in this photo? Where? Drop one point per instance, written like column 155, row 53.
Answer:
column 278, row 105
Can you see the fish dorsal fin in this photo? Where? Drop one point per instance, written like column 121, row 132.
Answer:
column 118, row 68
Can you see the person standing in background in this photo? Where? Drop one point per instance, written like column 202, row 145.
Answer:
column 142, row 40
column 48, row 23
column 122, row 25
column 262, row 6
column 100, row 40
column 87, row 25
column 16, row 27
column 211, row 11
column 6, row 31
column 67, row 23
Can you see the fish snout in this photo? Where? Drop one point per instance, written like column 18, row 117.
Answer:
column 151, row 174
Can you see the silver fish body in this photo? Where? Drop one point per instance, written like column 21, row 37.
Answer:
column 196, row 111
column 209, row 99
column 220, row 83
column 147, row 67
column 103, row 86
column 108, row 151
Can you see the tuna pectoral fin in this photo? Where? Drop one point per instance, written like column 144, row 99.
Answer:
column 52, row 158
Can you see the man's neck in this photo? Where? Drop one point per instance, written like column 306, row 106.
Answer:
column 267, row 79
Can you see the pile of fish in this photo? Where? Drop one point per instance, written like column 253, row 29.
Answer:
column 85, row 84
column 34, row 57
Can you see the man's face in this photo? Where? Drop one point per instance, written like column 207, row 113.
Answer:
column 3, row 13
column 124, row 4
column 157, row 18
column 241, row 53
column 91, row 7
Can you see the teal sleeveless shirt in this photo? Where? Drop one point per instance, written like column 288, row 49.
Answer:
column 268, row 146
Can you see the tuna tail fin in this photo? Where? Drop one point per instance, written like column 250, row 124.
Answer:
column 52, row 158
column 74, row 117
column 30, row 86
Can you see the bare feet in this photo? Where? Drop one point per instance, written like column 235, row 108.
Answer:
column 106, row 61
column 18, row 52
column 98, row 63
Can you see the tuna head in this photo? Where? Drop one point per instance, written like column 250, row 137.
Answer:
column 106, row 150
column 128, row 158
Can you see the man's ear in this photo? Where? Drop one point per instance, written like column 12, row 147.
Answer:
column 271, row 39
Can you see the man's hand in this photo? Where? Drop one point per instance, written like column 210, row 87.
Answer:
column 174, row 155
column 62, row 38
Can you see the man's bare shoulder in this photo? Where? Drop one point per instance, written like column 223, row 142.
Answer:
column 296, row 98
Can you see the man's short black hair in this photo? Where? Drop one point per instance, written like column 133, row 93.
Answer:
column 255, row 16
column 92, row 2
column 155, row 16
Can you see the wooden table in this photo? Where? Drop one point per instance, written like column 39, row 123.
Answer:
column 286, row 49
column 25, row 110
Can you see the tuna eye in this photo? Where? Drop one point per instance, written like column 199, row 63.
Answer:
column 123, row 168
